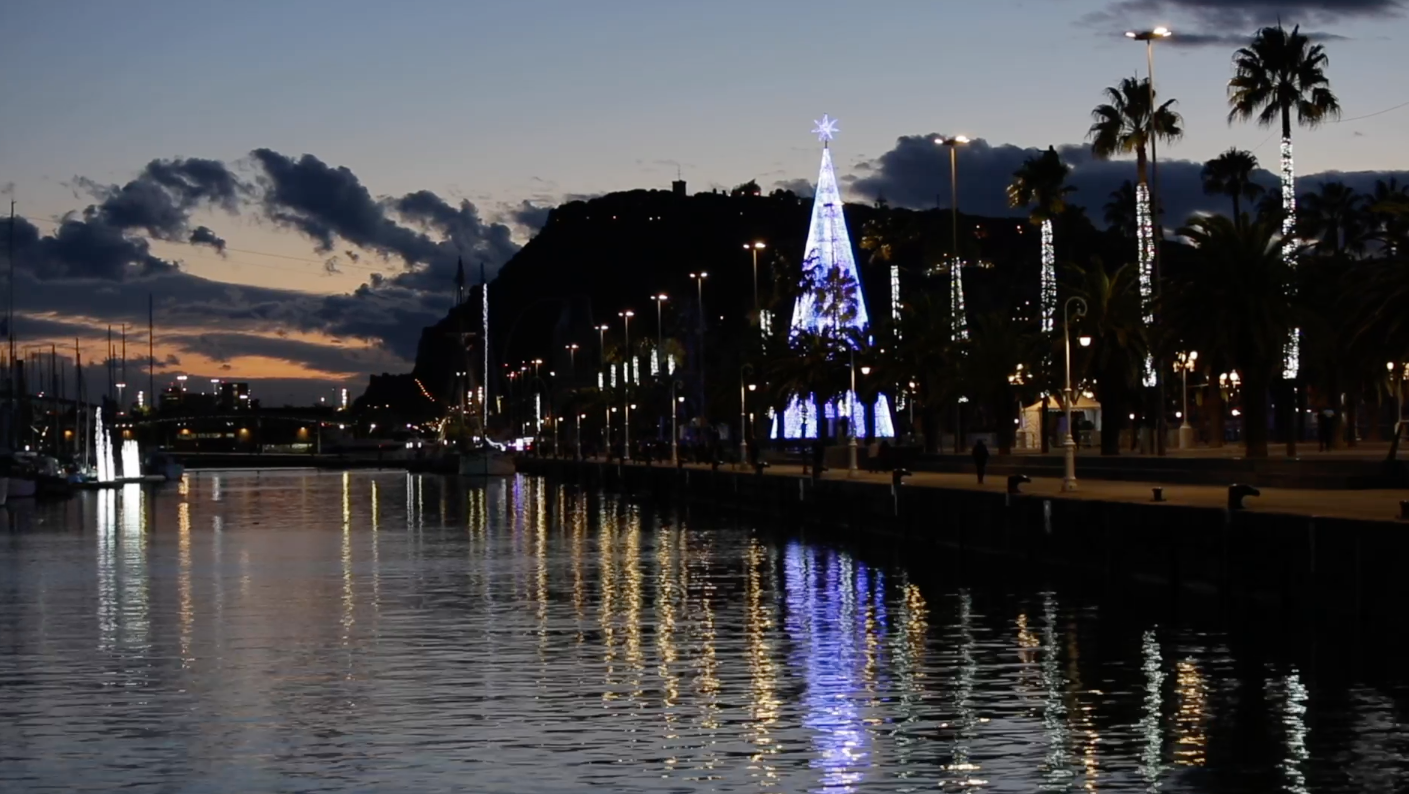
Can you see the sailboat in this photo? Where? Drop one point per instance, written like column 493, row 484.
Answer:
column 484, row 460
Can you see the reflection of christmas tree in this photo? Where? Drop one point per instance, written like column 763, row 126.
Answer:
column 833, row 303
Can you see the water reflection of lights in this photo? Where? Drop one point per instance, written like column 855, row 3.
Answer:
column 107, row 569
column 215, row 488
column 348, row 596
column 540, row 590
column 188, row 611
column 631, row 573
column 707, row 683
column 135, row 609
column 825, row 652
column 1190, row 739
column 966, row 718
column 907, row 660
column 606, row 599
column 666, row 653
column 763, row 673
column 1291, row 696
column 1152, row 755
column 1056, row 766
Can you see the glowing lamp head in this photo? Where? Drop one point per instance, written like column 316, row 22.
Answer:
column 865, row 370
column 1085, row 341
column 752, row 386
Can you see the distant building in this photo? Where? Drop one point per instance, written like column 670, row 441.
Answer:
column 234, row 396
column 678, row 187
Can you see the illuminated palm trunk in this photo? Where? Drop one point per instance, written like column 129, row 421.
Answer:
column 1049, row 279
column 1145, row 239
column 1291, row 362
column 956, row 301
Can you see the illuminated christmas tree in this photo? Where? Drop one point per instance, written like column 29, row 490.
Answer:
column 832, row 304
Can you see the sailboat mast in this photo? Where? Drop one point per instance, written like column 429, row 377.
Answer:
column 484, row 319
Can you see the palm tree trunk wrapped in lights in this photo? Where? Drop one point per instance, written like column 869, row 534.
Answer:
column 1276, row 73
column 1049, row 279
column 1128, row 124
column 1041, row 183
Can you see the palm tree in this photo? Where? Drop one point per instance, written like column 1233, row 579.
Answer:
column 1123, row 125
column 999, row 350
column 1333, row 217
column 1041, row 183
column 1119, row 343
column 1230, row 174
column 1233, row 304
column 1120, row 210
column 1389, row 215
column 1277, row 73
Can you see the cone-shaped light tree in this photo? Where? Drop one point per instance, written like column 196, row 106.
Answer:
column 1040, row 183
column 1276, row 75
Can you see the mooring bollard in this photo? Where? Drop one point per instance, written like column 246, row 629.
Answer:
column 714, row 464
column 1237, row 491
column 897, row 477
column 1015, row 480
column 1159, row 494
column 759, row 467
column 1404, row 509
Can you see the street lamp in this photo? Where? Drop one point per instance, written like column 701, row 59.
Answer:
column 699, row 305
column 1069, row 445
column 660, row 333
column 674, row 433
column 626, row 316
column 1184, row 362
column 572, row 361
column 953, row 143
column 754, row 248
column 1398, row 395
column 1150, row 37
column 120, row 387
column 743, row 413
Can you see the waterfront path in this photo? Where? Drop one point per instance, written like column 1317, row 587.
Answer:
column 1364, row 505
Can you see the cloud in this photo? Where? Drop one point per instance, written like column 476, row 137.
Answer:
column 529, row 215
column 915, row 173
column 82, row 247
column 802, row 187
column 160, row 199
column 202, row 235
column 224, row 347
column 1231, row 23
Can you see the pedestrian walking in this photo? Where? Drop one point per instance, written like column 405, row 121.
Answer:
column 980, row 454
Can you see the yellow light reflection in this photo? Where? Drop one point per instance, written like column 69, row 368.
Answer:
column 183, row 584
column 1189, row 738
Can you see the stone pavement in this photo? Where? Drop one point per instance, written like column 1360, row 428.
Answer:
column 1366, row 505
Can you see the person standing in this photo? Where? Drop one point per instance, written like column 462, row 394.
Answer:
column 980, row 454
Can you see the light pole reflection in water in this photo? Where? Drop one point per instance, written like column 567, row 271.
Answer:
column 763, row 672
column 1290, row 695
column 1190, row 738
column 961, row 765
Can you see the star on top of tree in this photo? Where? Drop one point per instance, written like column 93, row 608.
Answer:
column 826, row 128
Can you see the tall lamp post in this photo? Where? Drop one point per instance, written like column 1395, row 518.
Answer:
column 1069, row 444
column 674, row 412
column 1150, row 37
column 746, row 369
column 754, row 248
column 1398, row 394
column 956, row 285
column 1184, row 362
column 572, row 362
column 626, row 316
column 699, row 307
column 660, row 332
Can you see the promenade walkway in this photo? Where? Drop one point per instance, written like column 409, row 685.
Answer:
column 1366, row 505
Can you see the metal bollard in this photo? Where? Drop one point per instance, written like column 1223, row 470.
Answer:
column 1159, row 494
column 1404, row 509
column 1015, row 480
column 759, row 467
column 897, row 477
column 1237, row 491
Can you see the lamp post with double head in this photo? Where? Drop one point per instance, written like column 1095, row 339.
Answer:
column 1069, row 444
column 675, row 401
